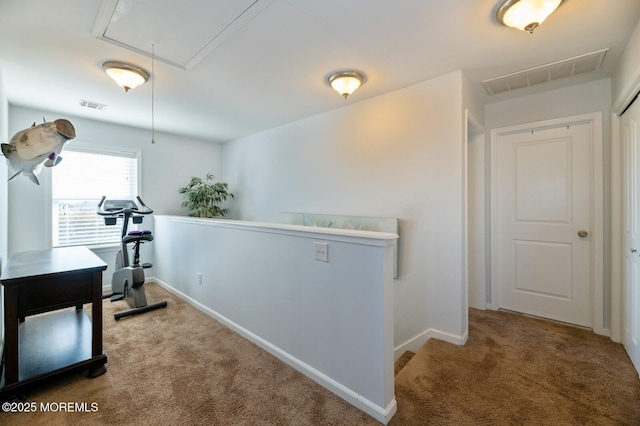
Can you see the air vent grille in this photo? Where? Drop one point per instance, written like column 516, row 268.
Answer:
column 93, row 105
column 570, row 67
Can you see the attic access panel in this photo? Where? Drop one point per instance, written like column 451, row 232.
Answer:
column 181, row 32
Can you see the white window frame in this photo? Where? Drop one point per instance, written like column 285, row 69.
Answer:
column 94, row 149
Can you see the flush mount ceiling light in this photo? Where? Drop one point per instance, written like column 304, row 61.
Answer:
column 127, row 76
column 526, row 15
column 345, row 82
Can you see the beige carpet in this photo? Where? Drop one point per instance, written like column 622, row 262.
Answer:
column 177, row 366
column 516, row 370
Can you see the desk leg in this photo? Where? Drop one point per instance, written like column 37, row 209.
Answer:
column 11, row 334
column 96, row 324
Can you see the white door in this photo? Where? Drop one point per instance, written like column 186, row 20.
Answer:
column 544, row 222
column 631, row 255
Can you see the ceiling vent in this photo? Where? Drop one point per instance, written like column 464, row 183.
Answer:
column 92, row 105
column 545, row 73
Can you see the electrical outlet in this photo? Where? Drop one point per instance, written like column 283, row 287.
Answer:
column 199, row 278
column 321, row 251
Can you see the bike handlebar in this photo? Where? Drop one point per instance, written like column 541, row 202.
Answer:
column 123, row 206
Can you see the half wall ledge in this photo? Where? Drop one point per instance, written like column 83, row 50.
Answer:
column 330, row 319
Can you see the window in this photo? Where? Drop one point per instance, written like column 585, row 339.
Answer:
column 77, row 185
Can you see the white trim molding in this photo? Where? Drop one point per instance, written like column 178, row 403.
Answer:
column 414, row 344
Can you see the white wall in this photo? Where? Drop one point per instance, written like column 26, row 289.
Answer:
column 396, row 155
column 626, row 76
column 473, row 232
column 166, row 166
column 573, row 100
column 4, row 137
column 477, row 222
column 4, row 239
column 331, row 320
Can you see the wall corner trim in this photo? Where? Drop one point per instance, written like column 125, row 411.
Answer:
column 414, row 344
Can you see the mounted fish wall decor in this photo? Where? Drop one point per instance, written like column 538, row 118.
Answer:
column 31, row 147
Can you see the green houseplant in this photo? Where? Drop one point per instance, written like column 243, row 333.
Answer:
column 203, row 198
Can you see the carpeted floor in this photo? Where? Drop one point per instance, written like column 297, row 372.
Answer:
column 516, row 370
column 179, row 366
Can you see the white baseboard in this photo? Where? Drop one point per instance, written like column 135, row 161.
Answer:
column 382, row 414
column 416, row 343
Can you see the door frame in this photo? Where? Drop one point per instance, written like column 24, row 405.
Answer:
column 475, row 244
column 597, row 208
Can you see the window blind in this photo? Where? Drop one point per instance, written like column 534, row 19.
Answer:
column 78, row 183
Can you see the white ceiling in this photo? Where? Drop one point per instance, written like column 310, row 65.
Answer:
column 269, row 67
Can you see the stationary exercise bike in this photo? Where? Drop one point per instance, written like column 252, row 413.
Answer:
column 128, row 279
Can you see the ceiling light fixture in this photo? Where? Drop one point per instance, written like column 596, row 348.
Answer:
column 346, row 82
column 127, row 76
column 526, row 15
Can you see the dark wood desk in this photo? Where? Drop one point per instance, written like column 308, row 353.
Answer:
column 59, row 341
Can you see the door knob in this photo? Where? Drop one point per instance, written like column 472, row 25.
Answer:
column 633, row 250
column 582, row 233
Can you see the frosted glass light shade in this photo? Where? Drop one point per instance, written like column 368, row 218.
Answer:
column 126, row 76
column 526, row 15
column 346, row 83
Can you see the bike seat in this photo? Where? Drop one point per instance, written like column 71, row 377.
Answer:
column 132, row 236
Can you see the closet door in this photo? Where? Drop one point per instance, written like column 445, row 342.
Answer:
column 631, row 210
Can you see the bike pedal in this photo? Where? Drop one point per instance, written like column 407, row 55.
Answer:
column 117, row 297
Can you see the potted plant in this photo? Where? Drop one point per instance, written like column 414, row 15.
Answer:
column 203, row 198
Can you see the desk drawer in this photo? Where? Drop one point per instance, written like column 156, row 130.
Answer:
column 43, row 295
